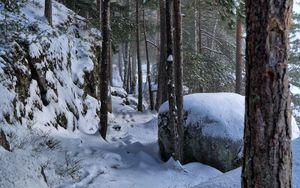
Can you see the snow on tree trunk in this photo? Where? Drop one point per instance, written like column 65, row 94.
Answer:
column 171, row 89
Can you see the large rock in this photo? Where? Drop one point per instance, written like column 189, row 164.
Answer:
column 213, row 130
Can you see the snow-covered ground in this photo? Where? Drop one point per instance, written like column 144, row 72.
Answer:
column 232, row 179
column 128, row 159
column 46, row 157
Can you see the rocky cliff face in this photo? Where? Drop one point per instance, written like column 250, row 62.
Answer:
column 48, row 75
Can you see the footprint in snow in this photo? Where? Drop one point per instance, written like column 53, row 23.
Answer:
column 117, row 127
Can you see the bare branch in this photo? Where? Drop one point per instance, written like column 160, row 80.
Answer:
column 153, row 44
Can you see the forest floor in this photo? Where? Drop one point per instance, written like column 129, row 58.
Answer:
column 130, row 157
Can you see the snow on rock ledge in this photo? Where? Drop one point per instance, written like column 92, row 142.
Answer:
column 213, row 130
column 49, row 74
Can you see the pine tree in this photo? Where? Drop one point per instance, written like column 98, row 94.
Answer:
column 162, row 90
column 139, row 63
column 267, row 139
column 171, row 89
column 148, row 65
column 99, row 6
column 239, row 68
column 178, row 79
column 104, row 76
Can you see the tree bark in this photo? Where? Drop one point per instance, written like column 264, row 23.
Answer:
column 105, row 67
column 212, row 44
column 162, row 89
column 48, row 11
column 178, row 79
column 148, row 65
column 129, row 75
column 199, row 31
column 267, row 139
column 125, row 58
column 110, row 68
column 133, row 74
column 110, row 72
column 197, row 27
column 139, row 63
column 120, row 64
column 99, row 6
column 171, row 90
column 239, row 67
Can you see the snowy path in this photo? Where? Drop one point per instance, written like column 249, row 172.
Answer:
column 130, row 157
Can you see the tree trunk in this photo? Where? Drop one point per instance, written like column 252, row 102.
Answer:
column 162, row 90
column 139, row 63
column 120, row 64
column 267, row 150
column 196, row 26
column 171, row 89
column 105, row 67
column 178, row 79
column 212, row 44
column 129, row 75
column 238, row 69
column 99, row 6
column 199, row 32
column 110, row 67
column 133, row 75
column 125, row 58
column 148, row 65
column 110, row 72
column 48, row 11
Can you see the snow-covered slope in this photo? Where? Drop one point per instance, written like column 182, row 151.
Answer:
column 48, row 74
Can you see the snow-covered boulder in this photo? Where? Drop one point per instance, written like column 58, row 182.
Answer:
column 119, row 92
column 213, row 130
